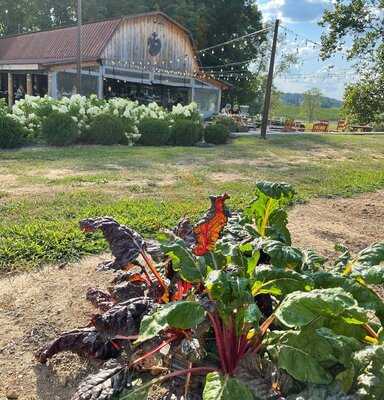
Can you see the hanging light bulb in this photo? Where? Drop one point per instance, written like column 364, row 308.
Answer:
column 213, row 51
column 222, row 49
column 234, row 46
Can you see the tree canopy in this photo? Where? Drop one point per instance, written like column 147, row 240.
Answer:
column 356, row 28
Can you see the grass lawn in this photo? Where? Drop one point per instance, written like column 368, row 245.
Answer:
column 45, row 192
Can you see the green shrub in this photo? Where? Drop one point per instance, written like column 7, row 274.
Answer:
column 227, row 122
column 186, row 132
column 105, row 129
column 59, row 129
column 12, row 133
column 3, row 107
column 154, row 132
column 216, row 134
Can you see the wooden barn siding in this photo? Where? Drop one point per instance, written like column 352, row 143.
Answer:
column 129, row 43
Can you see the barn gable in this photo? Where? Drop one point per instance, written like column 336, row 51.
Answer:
column 152, row 40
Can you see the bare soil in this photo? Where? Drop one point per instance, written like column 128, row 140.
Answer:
column 35, row 307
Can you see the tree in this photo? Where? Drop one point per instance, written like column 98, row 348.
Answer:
column 311, row 103
column 364, row 101
column 363, row 22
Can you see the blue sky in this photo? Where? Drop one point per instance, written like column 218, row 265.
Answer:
column 302, row 17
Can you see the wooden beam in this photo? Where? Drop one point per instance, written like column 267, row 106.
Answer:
column 29, row 84
column 10, row 89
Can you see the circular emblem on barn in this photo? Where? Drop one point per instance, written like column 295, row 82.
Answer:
column 154, row 44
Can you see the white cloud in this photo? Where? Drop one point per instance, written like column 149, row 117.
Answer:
column 291, row 11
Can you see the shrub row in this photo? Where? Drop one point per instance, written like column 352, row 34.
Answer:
column 93, row 121
column 60, row 130
column 182, row 133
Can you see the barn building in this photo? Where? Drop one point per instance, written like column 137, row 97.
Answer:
column 146, row 57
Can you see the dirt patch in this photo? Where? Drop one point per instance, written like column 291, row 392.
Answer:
column 227, row 177
column 355, row 222
column 34, row 307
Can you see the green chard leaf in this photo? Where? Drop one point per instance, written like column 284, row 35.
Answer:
column 267, row 211
column 279, row 281
column 368, row 265
column 183, row 261
column 179, row 315
column 283, row 256
column 229, row 291
column 312, row 261
column 299, row 309
column 308, row 354
column 364, row 295
column 369, row 365
column 219, row 387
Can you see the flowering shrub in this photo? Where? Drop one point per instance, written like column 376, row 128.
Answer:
column 3, row 107
column 32, row 111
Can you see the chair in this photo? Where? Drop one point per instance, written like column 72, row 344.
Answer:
column 342, row 125
column 321, row 126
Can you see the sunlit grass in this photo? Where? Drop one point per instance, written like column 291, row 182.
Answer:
column 46, row 191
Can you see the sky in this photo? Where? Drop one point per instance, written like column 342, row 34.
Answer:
column 302, row 17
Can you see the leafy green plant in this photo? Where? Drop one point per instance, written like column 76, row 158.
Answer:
column 59, row 130
column 186, row 132
column 216, row 134
column 322, row 324
column 12, row 134
column 105, row 129
column 154, row 132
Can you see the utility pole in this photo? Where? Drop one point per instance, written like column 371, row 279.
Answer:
column 268, row 91
column 79, row 24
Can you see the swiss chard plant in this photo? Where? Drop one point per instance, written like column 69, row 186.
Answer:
column 229, row 309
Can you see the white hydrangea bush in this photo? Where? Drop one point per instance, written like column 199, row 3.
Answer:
column 32, row 110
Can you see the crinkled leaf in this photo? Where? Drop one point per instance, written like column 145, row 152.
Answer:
column 361, row 266
column 229, row 291
column 180, row 315
column 219, row 387
column 267, row 212
column 183, row 261
column 283, row 256
column 312, row 261
column 209, row 229
column 276, row 190
column 301, row 308
column 302, row 366
column 106, row 384
column 369, row 364
column 364, row 295
column 279, row 281
column 253, row 315
column 322, row 392
column 307, row 355
column 186, row 315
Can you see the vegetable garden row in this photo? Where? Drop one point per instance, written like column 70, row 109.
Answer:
column 229, row 309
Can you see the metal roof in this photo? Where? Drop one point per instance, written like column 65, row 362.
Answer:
column 58, row 44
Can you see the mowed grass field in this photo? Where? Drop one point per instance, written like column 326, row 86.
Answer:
column 45, row 192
